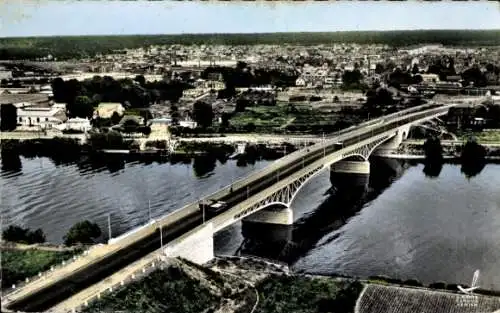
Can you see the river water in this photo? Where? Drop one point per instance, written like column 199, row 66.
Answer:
column 401, row 224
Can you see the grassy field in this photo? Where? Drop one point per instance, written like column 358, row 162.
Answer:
column 307, row 295
column 263, row 116
column 482, row 137
column 170, row 290
column 278, row 117
column 20, row 264
column 187, row 287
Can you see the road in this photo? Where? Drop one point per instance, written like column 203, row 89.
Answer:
column 451, row 143
column 106, row 260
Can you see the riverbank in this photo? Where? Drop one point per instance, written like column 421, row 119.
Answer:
column 229, row 285
column 21, row 264
column 203, row 154
column 247, row 284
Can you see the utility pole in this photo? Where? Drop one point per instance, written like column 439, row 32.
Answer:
column 109, row 226
column 324, row 145
column 149, row 209
column 161, row 237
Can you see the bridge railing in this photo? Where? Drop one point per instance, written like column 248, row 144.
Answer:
column 43, row 275
column 147, row 265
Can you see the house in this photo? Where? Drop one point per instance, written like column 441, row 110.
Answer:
column 44, row 118
column 160, row 127
column 429, row 78
column 77, row 123
column 5, row 74
column 300, row 82
column 106, row 109
column 188, row 124
column 139, row 120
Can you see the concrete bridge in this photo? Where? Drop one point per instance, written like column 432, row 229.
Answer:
column 265, row 196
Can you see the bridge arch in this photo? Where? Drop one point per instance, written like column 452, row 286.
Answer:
column 285, row 196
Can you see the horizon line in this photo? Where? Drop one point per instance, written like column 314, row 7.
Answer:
column 259, row 33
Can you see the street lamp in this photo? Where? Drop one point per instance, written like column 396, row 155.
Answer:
column 149, row 209
column 109, row 226
column 203, row 210
column 161, row 236
column 324, row 145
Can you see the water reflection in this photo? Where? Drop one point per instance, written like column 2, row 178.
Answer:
column 204, row 164
column 11, row 161
column 432, row 169
column 471, row 169
column 346, row 197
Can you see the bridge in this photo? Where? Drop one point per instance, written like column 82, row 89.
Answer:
column 265, row 196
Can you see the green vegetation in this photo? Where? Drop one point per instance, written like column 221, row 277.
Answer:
column 170, row 290
column 20, row 264
column 291, row 118
column 19, row 234
column 482, row 137
column 303, row 294
column 194, row 288
column 81, row 46
column 83, row 232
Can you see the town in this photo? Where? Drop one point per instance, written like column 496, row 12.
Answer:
column 162, row 91
column 146, row 236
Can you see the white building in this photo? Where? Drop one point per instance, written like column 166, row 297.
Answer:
column 106, row 109
column 160, row 127
column 188, row 124
column 77, row 123
column 300, row 82
column 5, row 74
column 44, row 118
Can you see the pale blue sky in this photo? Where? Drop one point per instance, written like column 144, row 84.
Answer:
column 48, row 18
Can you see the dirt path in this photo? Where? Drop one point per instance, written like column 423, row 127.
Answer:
column 20, row 246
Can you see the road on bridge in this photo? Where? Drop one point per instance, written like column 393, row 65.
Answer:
column 116, row 256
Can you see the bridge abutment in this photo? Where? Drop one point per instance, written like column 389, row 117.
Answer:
column 197, row 247
column 277, row 216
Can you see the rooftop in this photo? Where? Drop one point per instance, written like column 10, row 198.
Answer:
column 392, row 299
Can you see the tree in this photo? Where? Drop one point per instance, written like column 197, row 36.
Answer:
column 203, row 113
column 351, row 79
column 415, row 69
column 19, row 234
column 379, row 68
column 115, row 118
column 82, row 107
column 8, row 116
column 472, row 158
column 83, row 232
column 140, row 79
column 59, row 90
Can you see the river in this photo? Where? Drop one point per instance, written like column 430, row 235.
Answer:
column 401, row 224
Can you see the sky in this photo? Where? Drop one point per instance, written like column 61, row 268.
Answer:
column 49, row 18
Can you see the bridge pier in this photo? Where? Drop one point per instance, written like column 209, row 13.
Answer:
column 348, row 174
column 351, row 167
column 197, row 247
column 277, row 216
column 393, row 144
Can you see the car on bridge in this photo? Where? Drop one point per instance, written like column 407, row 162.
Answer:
column 213, row 207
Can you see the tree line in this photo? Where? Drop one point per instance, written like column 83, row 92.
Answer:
column 81, row 97
column 84, row 232
column 472, row 157
column 74, row 47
